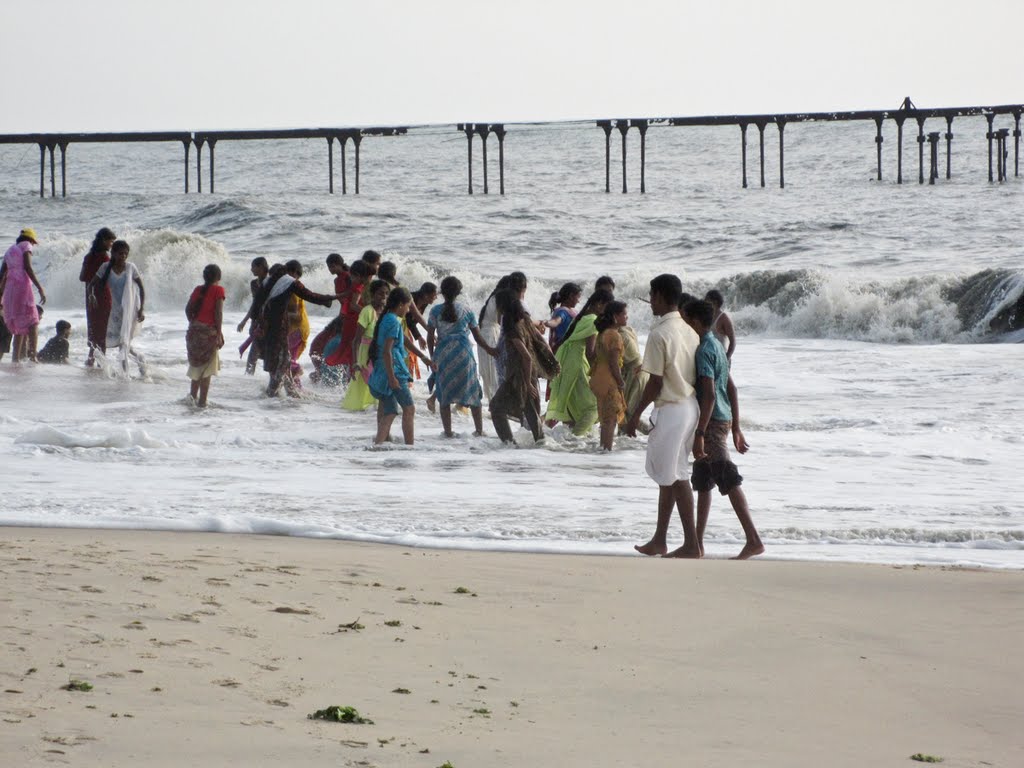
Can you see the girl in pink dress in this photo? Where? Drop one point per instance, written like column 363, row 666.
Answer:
column 19, row 303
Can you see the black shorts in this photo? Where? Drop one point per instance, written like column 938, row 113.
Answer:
column 707, row 474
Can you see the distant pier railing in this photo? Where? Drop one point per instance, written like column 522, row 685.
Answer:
column 998, row 141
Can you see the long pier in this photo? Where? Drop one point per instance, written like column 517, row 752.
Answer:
column 997, row 138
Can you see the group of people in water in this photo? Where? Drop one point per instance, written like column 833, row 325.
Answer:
column 385, row 337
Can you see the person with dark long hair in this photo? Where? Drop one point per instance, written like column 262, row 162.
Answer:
column 97, row 315
column 389, row 381
column 606, row 380
column 275, row 299
column 449, row 328
column 205, row 313
column 122, row 279
column 572, row 401
column 525, row 356
column 490, row 327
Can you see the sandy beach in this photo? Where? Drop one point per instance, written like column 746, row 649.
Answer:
column 209, row 649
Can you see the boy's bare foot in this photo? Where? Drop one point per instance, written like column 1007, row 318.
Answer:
column 432, row 404
column 685, row 551
column 651, row 548
column 749, row 551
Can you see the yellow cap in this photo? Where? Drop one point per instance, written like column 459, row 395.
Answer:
column 29, row 233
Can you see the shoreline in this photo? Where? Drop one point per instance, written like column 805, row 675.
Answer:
column 213, row 650
column 624, row 549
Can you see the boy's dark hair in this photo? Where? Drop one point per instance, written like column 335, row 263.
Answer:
column 669, row 287
column 684, row 299
column 376, row 285
column 293, row 266
column 359, row 269
column 715, row 297
column 371, row 257
column 260, row 261
column 335, row 258
column 427, row 289
column 62, row 325
column 388, row 271
column 604, row 281
column 701, row 311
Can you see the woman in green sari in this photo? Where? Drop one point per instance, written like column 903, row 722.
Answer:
column 572, row 400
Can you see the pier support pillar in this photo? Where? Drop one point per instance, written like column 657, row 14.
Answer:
column 899, row 148
column 63, row 144
column 212, row 143
column 188, row 146
column 342, row 141
column 949, row 150
column 1001, row 136
column 330, row 165
column 42, row 169
column 623, row 126
column 760, row 132
column 933, row 171
column 641, row 125
column 499, row 131
column 878, row 144
column 606, row 126
column 920, row 150
column 782, row 155
column 743, row 151
column 199, row 166
column 53, row 170
column 469, row 154
column 483, row 131
column 357, row 139
column 990, row 135
column 1016, row 144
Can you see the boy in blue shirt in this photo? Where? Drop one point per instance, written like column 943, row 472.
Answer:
column 719, row 414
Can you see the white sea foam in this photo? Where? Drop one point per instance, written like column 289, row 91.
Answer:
column 880, row 430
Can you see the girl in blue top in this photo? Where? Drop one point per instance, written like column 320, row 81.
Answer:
column 563, row 312
column 389, row 382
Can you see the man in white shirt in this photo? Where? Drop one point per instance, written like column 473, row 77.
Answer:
column 669, row 361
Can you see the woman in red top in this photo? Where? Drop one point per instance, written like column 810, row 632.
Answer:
column 96, row 316
column 351, row 306
column 205, row 313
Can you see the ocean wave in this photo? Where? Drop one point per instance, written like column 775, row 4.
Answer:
column 956, row 537
column 122, row 439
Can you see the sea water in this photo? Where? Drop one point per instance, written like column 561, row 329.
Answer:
column 879, row 402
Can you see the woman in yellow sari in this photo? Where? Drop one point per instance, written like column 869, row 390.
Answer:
column 606, row 380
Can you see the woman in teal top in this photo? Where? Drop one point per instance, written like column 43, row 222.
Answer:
column 572, row 400
column 389, row 382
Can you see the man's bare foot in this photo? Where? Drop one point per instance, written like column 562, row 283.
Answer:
column 432, row 404
column 749, row 551
column 685, row 551
column 651, row 548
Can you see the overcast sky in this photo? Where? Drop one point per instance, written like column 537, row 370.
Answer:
column 118, row 65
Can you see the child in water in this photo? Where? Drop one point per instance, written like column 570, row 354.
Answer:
column 57, row 349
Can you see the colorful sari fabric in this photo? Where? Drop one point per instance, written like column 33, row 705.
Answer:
column 20, row 314
column 633, row 373
column 457, row 382
column 351, row 308
column 277, row 359
column 96, row 317
column 202, row 342
column 572, row 401
column 358, row 396
column 298, row 333
column 610, row 403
